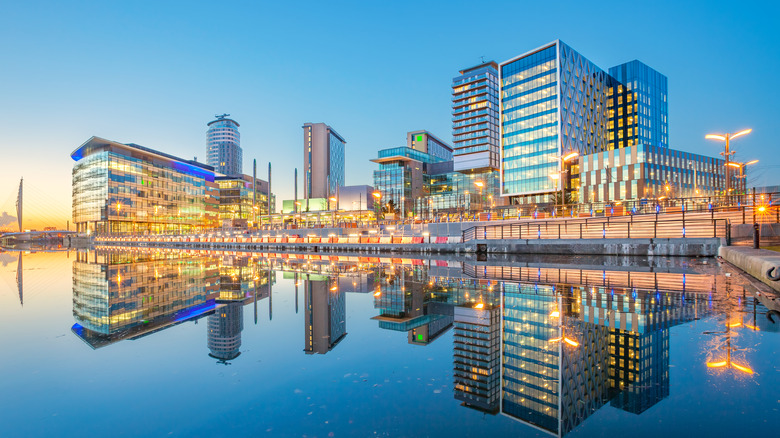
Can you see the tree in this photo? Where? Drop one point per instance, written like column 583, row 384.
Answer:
column 555, row 198
column 389, row 207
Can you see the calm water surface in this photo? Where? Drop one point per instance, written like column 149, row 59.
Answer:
column 146, row 343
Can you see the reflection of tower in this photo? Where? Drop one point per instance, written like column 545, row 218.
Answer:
column 551, row 385
column 325, row 318
column 20, row 280
column 639, row 368
column 225, row 325
column 477, row 344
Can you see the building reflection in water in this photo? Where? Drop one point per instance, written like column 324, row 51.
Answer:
column 547, row 344
column 130, row 294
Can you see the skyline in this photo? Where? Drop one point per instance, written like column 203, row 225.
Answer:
column 371, row 79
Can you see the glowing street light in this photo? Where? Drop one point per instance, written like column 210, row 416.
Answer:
column 727, row 153
column 565, row 339
column 563, row 159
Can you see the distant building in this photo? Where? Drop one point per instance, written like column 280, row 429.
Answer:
column 323, row 160
column 356, row 198
column 223, row 146
column 238, row 200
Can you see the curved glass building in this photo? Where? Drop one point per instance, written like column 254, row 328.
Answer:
column 223, row 146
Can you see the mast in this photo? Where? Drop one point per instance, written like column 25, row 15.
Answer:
column 19, row 207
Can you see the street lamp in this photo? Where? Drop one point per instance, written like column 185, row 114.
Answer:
column 727, row 153
column 741, row 167
column 334, row 200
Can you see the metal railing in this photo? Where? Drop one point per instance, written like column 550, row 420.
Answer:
column 625, row 227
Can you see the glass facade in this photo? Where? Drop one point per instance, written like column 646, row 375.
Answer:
column 402, row 178
column 651, row 172
column 475, row 118
column 223, row 146
column 237, row 198
column 638, row 107
column 454, row 192
column 335, row 162
column 123, row 295
column 120, row 188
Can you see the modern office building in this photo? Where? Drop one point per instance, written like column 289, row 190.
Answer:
column 223, row 146
column 400, row 178
column 131, row 189
column 638, row 106
column 569, row 126
column 642, row 171
column 323, row 160
column 475, row 133
column 238, row 198
column 553, row 100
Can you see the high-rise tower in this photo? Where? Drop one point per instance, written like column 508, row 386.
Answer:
column 223, row 146
column 323, row 160
column 475, row 135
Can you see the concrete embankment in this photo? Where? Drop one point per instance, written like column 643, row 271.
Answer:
column 760, row 264
column 684, row 247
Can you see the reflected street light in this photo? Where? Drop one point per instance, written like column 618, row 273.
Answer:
column 727, row 152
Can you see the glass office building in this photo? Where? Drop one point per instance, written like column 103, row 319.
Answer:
column 223, row 146
column 130, row 189
column 401, row 174
column 238, row 200
column 638, row 107
column 651, row 172
column 553, row 101
column 475, row 134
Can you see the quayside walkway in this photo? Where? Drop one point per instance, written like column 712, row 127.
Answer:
column 699, row 235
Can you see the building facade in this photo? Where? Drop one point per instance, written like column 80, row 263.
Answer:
column 238, row 199
column 131, row 189
column 646, row 172
column 569, row 127
column 223, row 146
column 553, row 100
column 400, row 177
column 323, row 160
column 475, row 133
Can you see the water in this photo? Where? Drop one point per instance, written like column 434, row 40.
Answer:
column 170, row 344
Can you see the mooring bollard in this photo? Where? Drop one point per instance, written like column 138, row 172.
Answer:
column 756, row 236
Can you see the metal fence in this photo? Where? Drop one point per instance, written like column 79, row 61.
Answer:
column 604, row 228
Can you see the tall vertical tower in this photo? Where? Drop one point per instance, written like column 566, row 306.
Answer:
column 638, row 106
column 323, row 160
column 553, row 102
column 223, row 146
column 475, row 135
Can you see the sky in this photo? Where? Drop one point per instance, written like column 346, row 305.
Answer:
column 156, row 72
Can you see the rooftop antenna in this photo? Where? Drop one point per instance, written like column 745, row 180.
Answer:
column 223, row 116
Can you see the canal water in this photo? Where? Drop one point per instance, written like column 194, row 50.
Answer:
column 164, row 343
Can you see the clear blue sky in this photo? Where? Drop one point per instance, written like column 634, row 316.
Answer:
column 154, row 73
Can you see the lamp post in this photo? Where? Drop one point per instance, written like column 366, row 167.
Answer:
column 727, row 153
column 555, row 177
